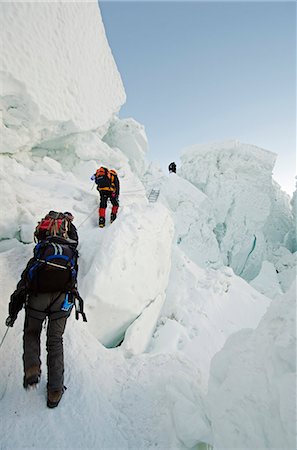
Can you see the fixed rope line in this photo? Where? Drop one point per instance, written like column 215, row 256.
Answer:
column 5, row 334
column 132, row 192
column 87, row 217
column 123, row 193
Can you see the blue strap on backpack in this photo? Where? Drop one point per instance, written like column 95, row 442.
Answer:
column 54, row 268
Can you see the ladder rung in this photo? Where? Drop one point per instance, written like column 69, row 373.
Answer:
column 153, row 196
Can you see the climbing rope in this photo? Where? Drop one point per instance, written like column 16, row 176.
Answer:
column 132, row 192
column 4, row 337
column 123, row 193
column 92, row 212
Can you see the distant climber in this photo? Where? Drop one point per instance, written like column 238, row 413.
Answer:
column 172, row 167
column 48, row 288
column 108, row 186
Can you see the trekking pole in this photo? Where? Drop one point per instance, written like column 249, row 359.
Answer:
column 4, row 337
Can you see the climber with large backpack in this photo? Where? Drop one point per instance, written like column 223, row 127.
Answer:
column 48, row 289
column 108, row 186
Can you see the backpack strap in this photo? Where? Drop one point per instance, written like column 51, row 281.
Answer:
column 112, row 176
column 79, row 306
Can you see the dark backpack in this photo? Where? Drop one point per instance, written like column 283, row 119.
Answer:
column 104, row 179
column 53, row 224
column 172, row 167
column 53, row 268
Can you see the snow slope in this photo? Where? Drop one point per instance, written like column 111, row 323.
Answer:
column 136, row 392
column 105, row 404
column 204, row 306
column 127, row 265
column 253, row 383
column 156, row 278
column 147, row 392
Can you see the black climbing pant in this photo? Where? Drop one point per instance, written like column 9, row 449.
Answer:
column 104, row 196
column 38, row 308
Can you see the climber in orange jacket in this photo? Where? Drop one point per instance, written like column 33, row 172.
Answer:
column 108, row 186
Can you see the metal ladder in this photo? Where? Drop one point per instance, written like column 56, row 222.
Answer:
column 153, row 195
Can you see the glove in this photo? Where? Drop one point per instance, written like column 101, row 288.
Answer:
column 113, row 195
column 10, row 321
column 93, row 177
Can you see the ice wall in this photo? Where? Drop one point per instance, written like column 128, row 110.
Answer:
column 252, row 387
column 194, row 221
column 249, row 208
column 129, row 136
column 56, row 66
column 292, row 236
column 125, row 270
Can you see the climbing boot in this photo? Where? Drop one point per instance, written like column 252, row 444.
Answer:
column 112, row 217
column 32, row 377
column 54, row 397
column 101, row 222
